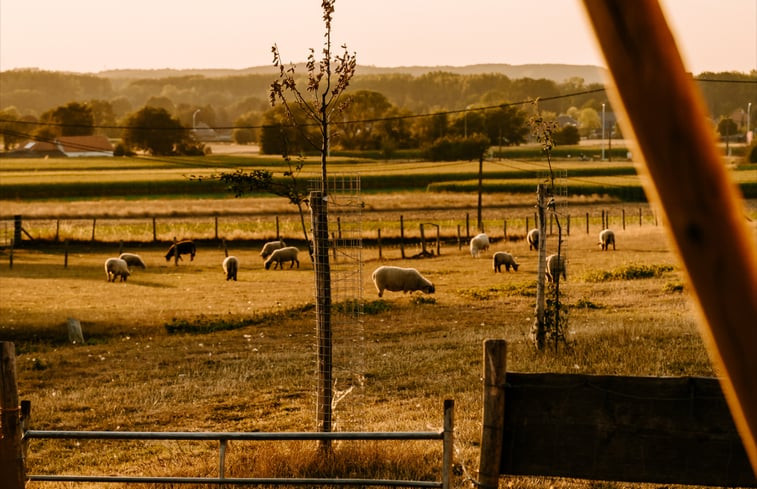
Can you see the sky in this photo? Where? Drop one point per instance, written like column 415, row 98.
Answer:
column 95, row 35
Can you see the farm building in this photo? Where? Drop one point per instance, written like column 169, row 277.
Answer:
column 65, row 146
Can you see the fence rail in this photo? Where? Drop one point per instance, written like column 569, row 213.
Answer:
column 15, row 439
column 223, row 438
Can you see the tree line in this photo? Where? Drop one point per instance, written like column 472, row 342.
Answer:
column 387, row 112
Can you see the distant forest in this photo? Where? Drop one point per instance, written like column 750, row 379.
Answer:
column 229, row 98
column 32, row 92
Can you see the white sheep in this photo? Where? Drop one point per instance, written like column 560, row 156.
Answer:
column 281, row 255
column 270, row 247
column 479, row 243
column 533, row 239
column 116, row 267
column 553, row 269
column 502, row 258
column 606, row 238
column 133, row 260
column 230, row 267
column 398, row 279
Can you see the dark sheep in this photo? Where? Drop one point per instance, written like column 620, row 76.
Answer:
column 186, row 247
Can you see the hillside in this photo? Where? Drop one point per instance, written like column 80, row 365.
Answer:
column 555, row 72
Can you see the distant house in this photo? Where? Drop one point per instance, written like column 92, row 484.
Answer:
column 566, row 120
column 74, row 146
column 65, row 146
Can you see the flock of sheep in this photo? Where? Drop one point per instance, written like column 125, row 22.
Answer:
column 391, row 278
column 275, row 253
column 399, row 279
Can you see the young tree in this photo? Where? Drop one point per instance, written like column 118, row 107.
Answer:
column 547, row 311
column 327, row 80
column 318, row 102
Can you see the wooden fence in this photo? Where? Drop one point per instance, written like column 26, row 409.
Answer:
column 665, row 430
column 21, row 230
column 15, row 438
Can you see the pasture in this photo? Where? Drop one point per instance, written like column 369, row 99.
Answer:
column 180, row 348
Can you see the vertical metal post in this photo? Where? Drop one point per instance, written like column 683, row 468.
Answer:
column 402, row 236
column 222, row 458
column 449, row 443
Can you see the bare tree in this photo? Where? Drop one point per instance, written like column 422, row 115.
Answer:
column 327, row 80
column 547, row 320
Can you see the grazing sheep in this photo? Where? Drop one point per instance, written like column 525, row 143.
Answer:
column 553, row 270
column 479, row 243
column 186, row 247
column 133, row 260
column 397, row 279
column 501, row 258
column 281, row 255
column 230, row 267
column 116, row 267
column 270, row 246
column 606, row 238
column 533, row 239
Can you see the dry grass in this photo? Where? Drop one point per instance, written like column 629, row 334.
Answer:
column 133, row 375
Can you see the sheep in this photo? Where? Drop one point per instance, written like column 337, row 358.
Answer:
column 397, row 279
column 606, row 237
column 133, row 260
column 183, row 247
column 230, row 267
column 479, row 243
column 281, row 255
column 116, row 267
column 501, row 258
column 270, row 246
column 533, row 239
column 553, row 271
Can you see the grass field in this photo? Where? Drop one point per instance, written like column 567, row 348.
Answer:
column 179, row 348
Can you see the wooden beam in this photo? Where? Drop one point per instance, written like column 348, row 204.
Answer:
column 684, row 172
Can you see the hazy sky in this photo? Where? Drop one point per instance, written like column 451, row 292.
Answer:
column 96, row 35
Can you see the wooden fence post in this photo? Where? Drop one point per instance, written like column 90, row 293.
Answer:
column 57, row 230
column 639, row 216
column 527, row 226
column 216, row 222
column 587, row 223
column 438, row 241
column 278, row 235
column 402, row 236
column 65, row 254
column 339, row 227
column 154, row 233
column 567, row 219
column 467, row 227
column 10, row 253
column 423, row 240
column 623, row 217
column 495, row 366
column 120, row 247
column 459, row 239
column 12, row 471
column 381, row 256
column 94, row 225
column 333, row 245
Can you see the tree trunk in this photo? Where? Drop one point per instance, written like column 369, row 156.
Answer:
column 538, row 332
column 323, row 312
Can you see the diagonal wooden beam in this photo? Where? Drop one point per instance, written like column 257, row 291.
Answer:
column 686, row 176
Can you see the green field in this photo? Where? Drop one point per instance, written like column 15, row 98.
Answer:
column 179, row 348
